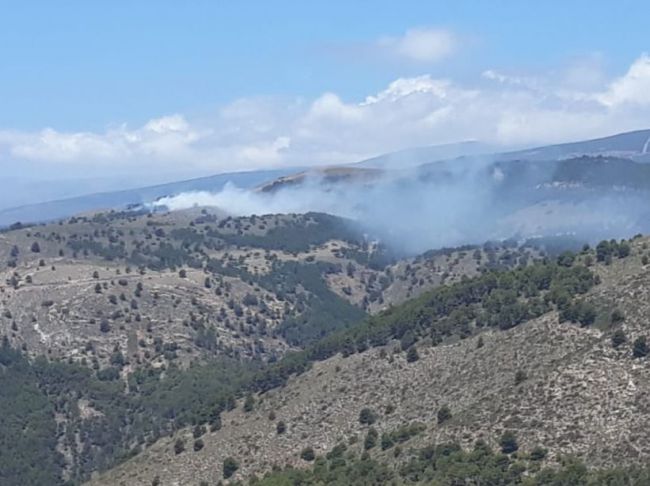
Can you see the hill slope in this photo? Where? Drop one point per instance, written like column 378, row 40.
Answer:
column 555, row 384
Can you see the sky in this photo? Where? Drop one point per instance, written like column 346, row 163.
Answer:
column 139, row 92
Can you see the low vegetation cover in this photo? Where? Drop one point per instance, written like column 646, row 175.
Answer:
column 449, row 464
column 496, row 299
column 113, row 420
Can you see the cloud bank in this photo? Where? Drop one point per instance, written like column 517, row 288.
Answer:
column 253, row 133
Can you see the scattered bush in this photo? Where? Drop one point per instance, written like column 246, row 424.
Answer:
column 179, row 446
column 412, row 355
column 367, row 417
column 444, row 414
column 307, row 454
column 618, row 338
column 230, row 467
column 508, row 443
column 640, row 347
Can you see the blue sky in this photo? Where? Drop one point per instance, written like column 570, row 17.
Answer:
column 154, row 90
column 78, row 65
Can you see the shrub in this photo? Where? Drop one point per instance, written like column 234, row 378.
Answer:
column 198, row 431
column 444, row 414
column 640, row 347
column 508, row 443
column 371, row 439
column 179, row 446
column 618, row 338
column 198, row 445
column 412, row 355
column 281, row 427
column 617, row 316
column 249, row 404
column 230, row 467
column 104, row 326
column 520, row 376
column 367, row 417
column 386, row 441
column 307, row 454
column 538, row 453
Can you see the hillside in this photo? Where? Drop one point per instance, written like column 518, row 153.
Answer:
column 186, row 285
column 131, row 325
column 571, row 388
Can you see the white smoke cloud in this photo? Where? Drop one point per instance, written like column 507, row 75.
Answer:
column 414, row 211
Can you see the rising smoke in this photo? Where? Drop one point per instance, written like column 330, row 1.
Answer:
column 445, row 205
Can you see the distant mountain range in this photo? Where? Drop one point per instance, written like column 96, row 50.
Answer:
column 630, row 145
column 51, row 210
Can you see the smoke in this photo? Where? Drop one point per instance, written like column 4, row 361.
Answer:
column 443, row 205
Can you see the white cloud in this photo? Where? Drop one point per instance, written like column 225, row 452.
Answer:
column 421, row 45
column 268, row 152
column 254, row 133
column 633, row 87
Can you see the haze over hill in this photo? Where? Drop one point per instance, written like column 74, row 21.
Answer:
column 468, row 199
column 584, row 189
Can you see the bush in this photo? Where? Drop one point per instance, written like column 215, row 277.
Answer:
column 538, row 453
column 640, row 347
column 198, row 431
column 367, row 417
column 249, row 404
column 508, row 443
column 444, row 414
column 198, row 445
column 104, row 326
column 307, row 454
column 386, row 441
column 179, row 446
column 371, row 439
column 281, row 427
column 617, row 316
column 412, row 355
column 618, row 338
column 520, row 376
column 230, row 467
